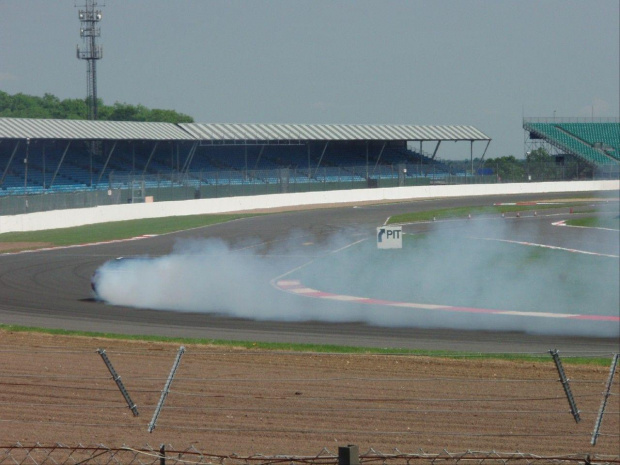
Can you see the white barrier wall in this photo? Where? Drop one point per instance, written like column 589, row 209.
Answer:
column 82, row 216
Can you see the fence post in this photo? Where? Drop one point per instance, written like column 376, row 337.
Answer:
column 564, row 380
column 349, row 455
column 162, row 454
column 606, row 394
column 164, row 393
column 117, row 379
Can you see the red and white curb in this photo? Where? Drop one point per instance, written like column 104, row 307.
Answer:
column 563, row 223
column 499, row 204
column 297, row 288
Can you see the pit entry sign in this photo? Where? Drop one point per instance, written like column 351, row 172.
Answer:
column 390, row 237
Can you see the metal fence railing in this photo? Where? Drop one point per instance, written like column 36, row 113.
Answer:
column 170, row 186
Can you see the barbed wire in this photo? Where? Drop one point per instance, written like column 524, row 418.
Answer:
column 77, row 388
column 302, row 399
column 350, row 398
column 60, row 454
column 301, row 380
column 296, row 409
column 164, row 426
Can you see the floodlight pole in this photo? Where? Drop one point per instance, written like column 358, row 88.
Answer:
column 89, row 31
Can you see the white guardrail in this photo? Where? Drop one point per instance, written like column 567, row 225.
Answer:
column 82, row 216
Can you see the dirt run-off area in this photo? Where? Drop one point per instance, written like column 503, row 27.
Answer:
column 224, row 400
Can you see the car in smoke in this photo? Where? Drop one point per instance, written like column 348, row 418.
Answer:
column 110, row 265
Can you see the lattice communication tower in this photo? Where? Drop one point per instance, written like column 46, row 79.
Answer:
column 89, row 17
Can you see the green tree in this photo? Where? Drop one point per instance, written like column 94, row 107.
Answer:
column 508, row 169
column 50, row 106
column 72, row 109
column 168, row 116
column 124, row 112
column 541, row 166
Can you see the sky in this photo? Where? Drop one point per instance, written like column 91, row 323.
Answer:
column 471, row 62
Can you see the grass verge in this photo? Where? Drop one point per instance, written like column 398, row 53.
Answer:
column 117, row 230
column 314, row 348
column 596, row 222
column 462, row 212
column 133, row 228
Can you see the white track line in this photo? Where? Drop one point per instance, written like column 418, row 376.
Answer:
column 544, row 246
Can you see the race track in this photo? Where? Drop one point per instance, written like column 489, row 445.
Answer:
column 52, row 288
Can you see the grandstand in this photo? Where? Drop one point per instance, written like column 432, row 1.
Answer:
column 596, row 142
column 39, row 156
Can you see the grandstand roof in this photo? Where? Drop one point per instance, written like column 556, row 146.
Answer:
column 22, row 128
column 331, row 132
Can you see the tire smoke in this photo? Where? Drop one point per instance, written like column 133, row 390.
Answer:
column 464, row 266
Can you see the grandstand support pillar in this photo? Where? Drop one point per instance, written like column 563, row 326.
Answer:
column 43, row 163
column 481, row 161
column 379, row 157
column 190, row 158
column 62, row 159
column 8, row 165
column 435, row 151
column 309, row 166
column 485, row 150
column 260, row 154
column 26, row 163
column 105, row 165
column 367, row 148
column 318, row 165
column 150, row 158
column 471, row 155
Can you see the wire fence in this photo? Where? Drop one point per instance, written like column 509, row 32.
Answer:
column 59, row 454
column 228, row 396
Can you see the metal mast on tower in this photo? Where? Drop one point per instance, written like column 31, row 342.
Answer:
column 89, row 31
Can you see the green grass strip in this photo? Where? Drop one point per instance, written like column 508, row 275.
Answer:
column 312, row 348
column 490, row 211
column 117, row 230
column 596, row 222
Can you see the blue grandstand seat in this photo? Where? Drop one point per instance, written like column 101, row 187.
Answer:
column 561, row 136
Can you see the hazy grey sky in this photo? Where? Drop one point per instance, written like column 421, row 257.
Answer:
column 481, row 63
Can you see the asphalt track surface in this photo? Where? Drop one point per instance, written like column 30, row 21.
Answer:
column 52, row 288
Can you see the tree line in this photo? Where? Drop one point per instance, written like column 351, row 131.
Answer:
column 51, row 107
column 537, row 165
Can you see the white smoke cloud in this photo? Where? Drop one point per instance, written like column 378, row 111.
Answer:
column 454, row 265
